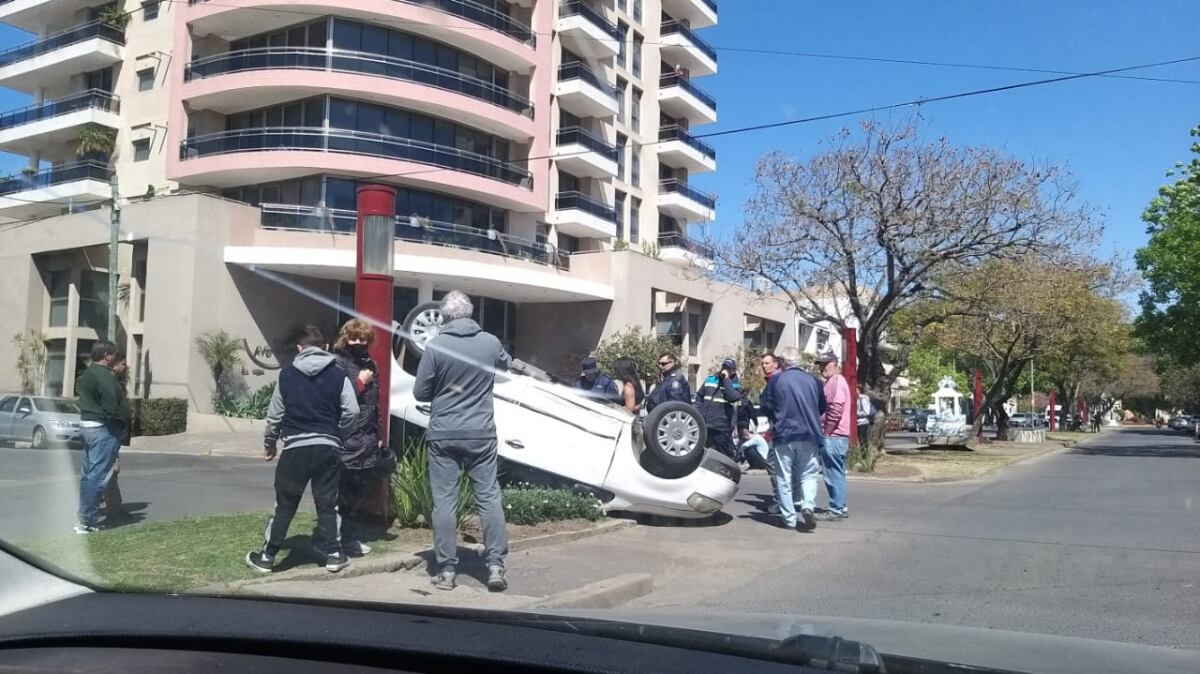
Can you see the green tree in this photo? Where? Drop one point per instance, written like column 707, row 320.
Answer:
column 32, row 358
column 221, row 353
column 644, row 349
column 94, row 140
column 1170, row 264
column 928, row 365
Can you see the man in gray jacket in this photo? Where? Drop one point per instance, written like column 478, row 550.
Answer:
column 457, row 375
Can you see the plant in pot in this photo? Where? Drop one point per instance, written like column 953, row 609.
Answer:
column 95, row 142
column 113, row 16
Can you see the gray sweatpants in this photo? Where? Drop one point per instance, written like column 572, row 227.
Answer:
column 447, row 460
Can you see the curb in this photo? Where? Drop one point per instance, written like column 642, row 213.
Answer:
column 608, row 593
column 1032, row 456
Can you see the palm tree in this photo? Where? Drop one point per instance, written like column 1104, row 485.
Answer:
column 95, row 141
column 220, row 352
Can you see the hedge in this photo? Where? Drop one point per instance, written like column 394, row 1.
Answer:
column 159, row 416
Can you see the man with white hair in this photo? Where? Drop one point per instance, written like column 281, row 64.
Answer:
column 795, row 401
column 457, row 375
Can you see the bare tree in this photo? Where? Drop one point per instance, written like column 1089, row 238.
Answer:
column 876, row 222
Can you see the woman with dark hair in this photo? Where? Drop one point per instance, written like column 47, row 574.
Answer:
column 361, row 441
column 625, row 371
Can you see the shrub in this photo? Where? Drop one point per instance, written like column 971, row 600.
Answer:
column 159, row 416
column 526, row 504
column 644, row 349
column 249, row 406
column 412, row 496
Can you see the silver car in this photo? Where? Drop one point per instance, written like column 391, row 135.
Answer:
column 40, row 421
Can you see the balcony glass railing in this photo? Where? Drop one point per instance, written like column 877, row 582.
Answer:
column 674, row 80
column 677, row 240
column 92, row 99
column 574, row 135
column 677, row 28
column 417, row 230
column 667, row 133
column 353, row 142
column 578, row 71
column 67, row 173
column 579, row 8
column 305, row 58
column 564, row 201
column 681, row 187
column 66, row 38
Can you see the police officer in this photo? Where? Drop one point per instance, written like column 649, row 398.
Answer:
column 596, row 383
column 674, row 386
column 718, row 399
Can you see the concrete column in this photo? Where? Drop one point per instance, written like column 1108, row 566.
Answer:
column 70, row 348
column 424, row 291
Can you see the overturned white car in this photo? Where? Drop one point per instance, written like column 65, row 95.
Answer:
column 555, row 434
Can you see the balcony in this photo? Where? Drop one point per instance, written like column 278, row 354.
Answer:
column 698, row 13
column 250, row 78
column 59, row 57
column 679, row 200
column 52, row 125
column 583, row 93
column 679, row 149
column 79, row 184
column 677, row 249
column 583, row 154
column 416, row 230
column 579, row 215
column 681, row 99
column 680, row 46
column 586, row 32
column 36, row 16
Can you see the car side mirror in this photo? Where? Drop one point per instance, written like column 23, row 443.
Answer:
column 25, row 411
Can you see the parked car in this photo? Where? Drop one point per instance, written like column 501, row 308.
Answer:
column 1177, row 423
column 1021, row 420
column 40, row 421
column 916, row 421
column 656, row 464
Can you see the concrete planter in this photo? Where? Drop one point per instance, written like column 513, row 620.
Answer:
column 215, row 423
column 1027, row 435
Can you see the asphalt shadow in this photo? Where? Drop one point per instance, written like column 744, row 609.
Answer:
column 719, row 519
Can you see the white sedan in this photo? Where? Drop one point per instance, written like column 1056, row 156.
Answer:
column 557, row 435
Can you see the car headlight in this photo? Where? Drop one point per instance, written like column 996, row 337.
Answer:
column 703, row 504
column 58, row 423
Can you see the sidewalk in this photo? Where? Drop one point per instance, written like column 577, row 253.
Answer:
column 200, row 444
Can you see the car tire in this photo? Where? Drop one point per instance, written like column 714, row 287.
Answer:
column 674, row 438
column 38, row 440
column 421, row 325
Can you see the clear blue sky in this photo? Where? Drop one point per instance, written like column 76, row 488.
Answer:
column 1117, row 136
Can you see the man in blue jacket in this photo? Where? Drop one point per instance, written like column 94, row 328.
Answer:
column 674, row 385
column 597, row 384
column 795, row 401
column 718, row 398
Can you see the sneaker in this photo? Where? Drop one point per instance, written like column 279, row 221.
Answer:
column 496, row 580
column 84, row 529
column 444, row 580
column 260, row 561
column 808, row 522
column 356, row 548
column 831, row 515
column 336, row 562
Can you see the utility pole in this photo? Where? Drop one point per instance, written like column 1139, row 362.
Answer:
column 114, row 231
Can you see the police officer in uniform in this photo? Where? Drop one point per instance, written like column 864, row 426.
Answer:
column 718, row 399
column 674, row 385
column 597, row 384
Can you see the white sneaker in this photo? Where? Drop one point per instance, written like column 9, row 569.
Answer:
column 84, row 529
column 356, row 548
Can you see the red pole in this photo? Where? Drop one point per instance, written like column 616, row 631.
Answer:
column 979, row 399
column 373, row 288
column 850, row 372
column 1053, row 414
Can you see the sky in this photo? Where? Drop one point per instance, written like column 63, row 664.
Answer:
column 1118, row 137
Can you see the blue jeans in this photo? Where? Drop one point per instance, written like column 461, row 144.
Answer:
column 796, row 463
column 833, row 462
column 99, row 454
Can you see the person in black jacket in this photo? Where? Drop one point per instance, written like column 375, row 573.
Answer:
column 361, row 445
column 718, row 399
column 674, row 385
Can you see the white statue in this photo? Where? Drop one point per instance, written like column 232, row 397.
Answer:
column 949, row 419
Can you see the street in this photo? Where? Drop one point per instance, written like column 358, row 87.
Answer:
column 1098, row 541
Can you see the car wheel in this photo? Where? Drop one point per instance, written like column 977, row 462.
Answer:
column 421, row 325
column 674, row 438
column 39, row 438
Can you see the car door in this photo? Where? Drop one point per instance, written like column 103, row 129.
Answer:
column 8, row 405
column 23, row 419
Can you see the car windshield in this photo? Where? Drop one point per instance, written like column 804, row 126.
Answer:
column 801, row 311
column 55, row 405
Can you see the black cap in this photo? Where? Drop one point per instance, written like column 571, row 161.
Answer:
column 588, row 363
column 729, row 364
column 827, row 357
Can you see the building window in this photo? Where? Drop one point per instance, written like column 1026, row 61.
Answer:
column 56, row 366
column 670, row 327
column 93, row 300
column 621, row 5
column 141, row 149
column 637, row 10
column 150, row 10
column 695, row 326
column 139, row 275
column 622, row 142
column 635, row 111
column 637, row 55
column 635, row 208
column 58, row 283
column 822, row 340
column 622, row 85
column 635, row 167
column 623, row 48
column 145, row 79
column 619, row 205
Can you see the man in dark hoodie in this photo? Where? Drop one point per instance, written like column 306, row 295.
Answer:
column 457, row 375
column 313, row 403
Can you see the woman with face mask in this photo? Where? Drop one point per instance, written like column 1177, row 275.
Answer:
column 364, row 466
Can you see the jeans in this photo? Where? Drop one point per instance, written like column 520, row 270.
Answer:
column 833, row 462
column 298, row 467
column 100, row 448
column 447, row 460
column 797, row 462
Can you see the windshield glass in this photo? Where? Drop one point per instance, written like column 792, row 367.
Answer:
column 839, row 310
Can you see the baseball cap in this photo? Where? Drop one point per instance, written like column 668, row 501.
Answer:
column 588, row 363
column 729, row 364
column 827, row 357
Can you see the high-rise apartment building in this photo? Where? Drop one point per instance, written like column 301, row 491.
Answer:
column 542, row 152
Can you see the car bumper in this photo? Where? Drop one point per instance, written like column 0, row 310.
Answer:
column 702, row 493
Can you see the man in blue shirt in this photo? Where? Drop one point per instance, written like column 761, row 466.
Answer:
column 597, row 384
column 795, row 401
